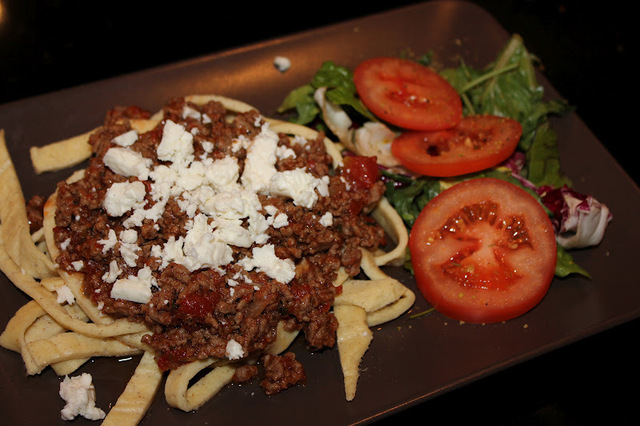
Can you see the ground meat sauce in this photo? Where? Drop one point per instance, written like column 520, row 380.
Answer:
column 195, row 314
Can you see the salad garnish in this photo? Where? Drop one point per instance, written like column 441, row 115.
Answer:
column 507, row 87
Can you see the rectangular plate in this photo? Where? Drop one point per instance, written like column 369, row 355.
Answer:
column 409, row 360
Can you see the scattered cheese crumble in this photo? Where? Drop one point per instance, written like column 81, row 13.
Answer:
column 282, row 63
column 234, row 350
column 80, row 397
column 65, row 295
column 217, row 198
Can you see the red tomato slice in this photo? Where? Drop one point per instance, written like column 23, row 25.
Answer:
column 407, row 94
column 476, row 143
column 483, row 251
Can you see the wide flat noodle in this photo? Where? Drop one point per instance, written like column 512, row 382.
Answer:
column 230, row 104
column 182, row 394
column 70, row 345
column 392, row 223
column 187, row 398
column 137, row 397
column 354, row 337
column 70, row 152
column 17, row 325
column 62, row 154
column 49, row 303
column 390, row 298
column 15, row 225
column 307, row 133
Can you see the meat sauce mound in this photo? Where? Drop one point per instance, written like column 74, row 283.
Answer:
column 194, row 314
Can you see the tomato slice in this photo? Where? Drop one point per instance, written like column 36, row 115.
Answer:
column 407, row 94
column 476, row 143
column 483, row 251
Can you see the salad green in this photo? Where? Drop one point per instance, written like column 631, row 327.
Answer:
column 506, row 87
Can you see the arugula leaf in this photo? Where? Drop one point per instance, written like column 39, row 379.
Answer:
column 409, row 195
column 566, row 266
column 543, row 160
column 341, row 90
column 509, row 87
column 301, row 99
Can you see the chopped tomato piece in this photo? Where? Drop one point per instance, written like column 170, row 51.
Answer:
column 407, row 94
column 478, row 142
column 483, row 251
column 361, row 171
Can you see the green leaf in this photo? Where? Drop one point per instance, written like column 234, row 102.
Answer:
column 341, row 90
column 543, row 160
column 301, row 99
column 566, row 266
column 409, row 195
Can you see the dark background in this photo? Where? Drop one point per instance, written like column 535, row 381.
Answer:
column 585, row 51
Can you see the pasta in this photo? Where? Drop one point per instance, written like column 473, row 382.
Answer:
column 62, row 328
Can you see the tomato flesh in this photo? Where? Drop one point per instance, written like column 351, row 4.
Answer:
column 407, row 94
column 361, row 171
column 477, row 143
column 483, row 251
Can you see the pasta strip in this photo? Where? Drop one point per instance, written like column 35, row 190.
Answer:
column 70, row 345
column 392, row 223
column 49, row 303
column 180, row 395
column 354, row 337
column 15, row 225
column 44, row 328
column 137, row 397
column 62, row 154
column 230, row 104
column 18, row 324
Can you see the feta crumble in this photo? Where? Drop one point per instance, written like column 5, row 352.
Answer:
column 65, row 295
column 234, row 350
column 282, row 63
column 80, row 397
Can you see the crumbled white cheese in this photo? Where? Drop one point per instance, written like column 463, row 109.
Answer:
column 234, row 350
column 113, row 273
column 65, row 244
column 201, row 249
column 110, row 242
column 298, row 185
column 65, row 295
column 189, row 112
column 260, row 161
column 123, row 196
column 265, row 260
column 282, row 63
column 126, row 139
column 223, row 174
column 176, row 144
column 129, row 252
column 232, row 232
column 135, row 288
column 326, row 219
column 222, row 204
column 127, row 162
column 80, row 397
column 129, row 236
column 280, row 220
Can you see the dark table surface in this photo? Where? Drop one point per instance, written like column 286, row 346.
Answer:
column 585, row 51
